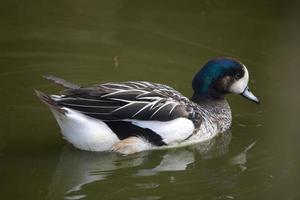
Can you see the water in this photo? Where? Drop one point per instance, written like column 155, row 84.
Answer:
column 160, row 41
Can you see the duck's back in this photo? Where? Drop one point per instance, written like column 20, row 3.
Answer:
column 126, row 100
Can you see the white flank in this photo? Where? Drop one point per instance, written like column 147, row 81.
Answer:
column 239, row 86
column 172, row 132
column 207, row 131
column 85, row 132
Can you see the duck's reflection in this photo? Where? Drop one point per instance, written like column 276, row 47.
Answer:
column 78, row 168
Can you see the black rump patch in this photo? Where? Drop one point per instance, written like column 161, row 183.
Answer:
column 127, row 129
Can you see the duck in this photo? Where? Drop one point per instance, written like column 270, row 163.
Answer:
column 134, row 116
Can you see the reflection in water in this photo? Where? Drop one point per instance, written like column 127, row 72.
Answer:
column 79, row 168
column 177, row 160
column 214, row 148
column 241, row 158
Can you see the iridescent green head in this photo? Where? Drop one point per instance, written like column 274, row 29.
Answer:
column 221, row 76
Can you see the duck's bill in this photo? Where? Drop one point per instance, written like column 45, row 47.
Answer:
column 248, row 95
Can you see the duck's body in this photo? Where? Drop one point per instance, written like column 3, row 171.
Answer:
column 134, row 116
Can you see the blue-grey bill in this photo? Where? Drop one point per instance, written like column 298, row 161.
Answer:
column 249, row 95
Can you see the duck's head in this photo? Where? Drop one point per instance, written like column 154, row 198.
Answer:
column 222, row 76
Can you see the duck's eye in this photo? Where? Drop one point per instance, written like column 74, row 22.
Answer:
column 238, row 76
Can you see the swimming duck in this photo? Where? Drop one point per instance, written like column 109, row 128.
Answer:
column 133, row 116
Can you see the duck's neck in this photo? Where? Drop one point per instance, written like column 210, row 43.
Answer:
column 210, row 97
column 217, row 108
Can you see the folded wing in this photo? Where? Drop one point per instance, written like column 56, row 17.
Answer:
column 128, row 100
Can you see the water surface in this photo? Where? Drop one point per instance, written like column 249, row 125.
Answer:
column 162, row 41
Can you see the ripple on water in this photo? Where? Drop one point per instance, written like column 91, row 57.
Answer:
column 249, row 120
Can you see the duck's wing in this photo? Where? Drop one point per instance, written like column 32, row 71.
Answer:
column 127, row 100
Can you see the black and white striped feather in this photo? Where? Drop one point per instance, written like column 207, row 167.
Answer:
column 126, row 100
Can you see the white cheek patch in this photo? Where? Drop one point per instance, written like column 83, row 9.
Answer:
column 239, row 86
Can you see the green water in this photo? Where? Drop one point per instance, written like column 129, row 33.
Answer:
column 162, row 41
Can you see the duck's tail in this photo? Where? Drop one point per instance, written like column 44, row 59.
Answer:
column 62, row 82
column 49, row 101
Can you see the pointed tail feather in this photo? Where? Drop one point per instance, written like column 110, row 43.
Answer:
column 62, row 82
column 49, row 101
